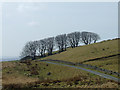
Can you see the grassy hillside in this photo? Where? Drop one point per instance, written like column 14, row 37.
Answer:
column 86, row 52
column 18, row 71
column 110, row 63
column 92, row 51
column 36, row 74
column 42, row 75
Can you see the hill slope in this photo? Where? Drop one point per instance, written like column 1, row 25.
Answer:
column 39, row 74
column 86, row 52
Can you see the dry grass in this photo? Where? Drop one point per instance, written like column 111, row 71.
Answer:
column 110, row 63
column 8, row 64
column 86, row 52
column 17, row 76
column 58, row 72
column 17, row 73
column 104, row 85
column 80, row 82
column 16, row 79
column 24, row 75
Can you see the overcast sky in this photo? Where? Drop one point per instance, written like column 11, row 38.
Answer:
column 23, row 22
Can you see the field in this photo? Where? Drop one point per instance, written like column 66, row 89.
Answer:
column 92, row 51
column 41, row 75
column 86, row 52
column 110, row 63
column 36, row 74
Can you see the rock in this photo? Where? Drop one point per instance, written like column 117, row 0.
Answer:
column 49, row 73
column 46, row 84
column 103, row 49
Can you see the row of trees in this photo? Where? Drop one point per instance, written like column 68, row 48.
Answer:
column 47, row 45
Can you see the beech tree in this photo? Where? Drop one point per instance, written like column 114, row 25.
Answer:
column 29, row 49
column 89, row 37
column 86, row 37
column 95, row 37
column 50, row 45
column 73, row 39
column 61, row 42
column 41, row 47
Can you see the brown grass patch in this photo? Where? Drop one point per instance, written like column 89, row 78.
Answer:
column 10, row 79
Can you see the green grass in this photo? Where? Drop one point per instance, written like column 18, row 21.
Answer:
column 110, row 68
column 57, row 72
column 18, row 74
column 110, row 63
column 86, row 52
column 92, row 51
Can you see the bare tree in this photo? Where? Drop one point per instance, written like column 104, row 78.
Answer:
column 50, row 45
column 88, row 37
column 73, row 39
column 95, row 37
column 29, row 49
column 32, row 47
column 77, row 38
column 41, row 46
column 61, row 41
